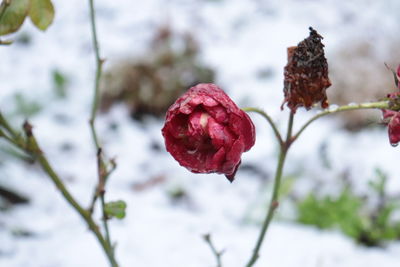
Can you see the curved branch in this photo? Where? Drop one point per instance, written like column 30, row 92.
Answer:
column 269, row 119
column 274, row 203
column 372, row 105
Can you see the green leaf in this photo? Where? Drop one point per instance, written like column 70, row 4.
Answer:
column 13, row 15
column 115, row 209
column 41, row 13
column 25, row 106
column 60, row 82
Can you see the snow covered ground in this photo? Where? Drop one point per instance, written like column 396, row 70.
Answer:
column 239, row 38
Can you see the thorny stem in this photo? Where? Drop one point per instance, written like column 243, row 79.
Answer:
column 34, row 149
column 217, row 254
column 101, row 185
column 269, row 119
column 284, row 147
column 30, row 146
column 99, row 64
column 102, row 169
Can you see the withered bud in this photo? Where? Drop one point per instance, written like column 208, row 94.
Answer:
column 306, row 74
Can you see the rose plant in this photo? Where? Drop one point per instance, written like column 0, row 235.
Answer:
column 206, row 132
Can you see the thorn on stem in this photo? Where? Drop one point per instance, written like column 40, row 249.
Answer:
column 28, row 128
column 206, row 237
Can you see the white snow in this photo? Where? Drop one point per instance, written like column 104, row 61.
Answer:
column 238, row 38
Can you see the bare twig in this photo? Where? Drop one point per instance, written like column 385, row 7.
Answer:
column 217, row 254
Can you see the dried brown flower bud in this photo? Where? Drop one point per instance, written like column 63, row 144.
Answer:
column 306, row 74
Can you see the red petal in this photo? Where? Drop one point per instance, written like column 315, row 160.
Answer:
column 233, row 157
column 394, row 129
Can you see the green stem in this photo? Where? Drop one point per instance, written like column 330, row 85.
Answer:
column 31, row 146
column 102, row 173
column 269, row 120
column 282, row 156
column 372, row 105
column 289, row 131
column 7, row 127
column 33, row 149
column 99, row 64
column 107, row 233
column 3, row 7
column 105, row 219
column 272, row 207
column 103, row 180
column 9, row 139
column 274, row 203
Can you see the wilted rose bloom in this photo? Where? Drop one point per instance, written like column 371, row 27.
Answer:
column 206, row 132
column 392, row 119
column 306, row 74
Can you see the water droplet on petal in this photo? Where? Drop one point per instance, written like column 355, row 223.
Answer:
column 193, row 151
column 394, row 144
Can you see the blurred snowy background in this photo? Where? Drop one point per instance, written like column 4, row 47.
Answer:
column 48, row 78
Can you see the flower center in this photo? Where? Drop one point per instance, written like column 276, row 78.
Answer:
column 204, row 120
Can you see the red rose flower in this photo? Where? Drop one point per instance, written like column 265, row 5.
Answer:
column 392, row 119
column 206, row 132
